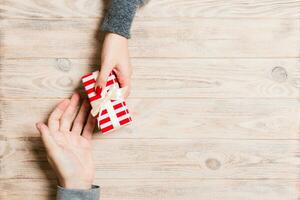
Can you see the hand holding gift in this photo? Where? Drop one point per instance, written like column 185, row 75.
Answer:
column 115, row 57
column 108, row 104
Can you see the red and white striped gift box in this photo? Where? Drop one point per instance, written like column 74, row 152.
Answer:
column 104, row 120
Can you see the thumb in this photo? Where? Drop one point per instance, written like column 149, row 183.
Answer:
column 46, row 137
column 102, row 78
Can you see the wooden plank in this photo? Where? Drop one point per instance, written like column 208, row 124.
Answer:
column 158, row 78
column 154, row 9
column 238, row 136
column 158, row 118
column 161, row 189
column 164, row 159
column 196, row 37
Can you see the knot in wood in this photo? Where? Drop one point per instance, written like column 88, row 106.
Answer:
column 212, row 164
column 279, row 74
column 63, row 64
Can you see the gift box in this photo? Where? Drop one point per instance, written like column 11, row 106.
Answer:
column 108, row 105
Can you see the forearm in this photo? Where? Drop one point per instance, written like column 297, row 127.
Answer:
column 76, row 194
column 119, row 16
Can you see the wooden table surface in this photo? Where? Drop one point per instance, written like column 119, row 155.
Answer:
column 215, row 98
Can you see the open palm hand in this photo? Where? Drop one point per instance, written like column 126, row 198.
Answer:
column 67, row 139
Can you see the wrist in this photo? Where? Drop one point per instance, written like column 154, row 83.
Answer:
column 75, row 184
column 115, row 36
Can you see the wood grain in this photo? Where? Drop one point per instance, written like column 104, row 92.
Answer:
column 146, row 189
column 155, row 9
column 158, row 118
column 158, row 78
column 165, row 159
column 215, row 98
column 182, row 38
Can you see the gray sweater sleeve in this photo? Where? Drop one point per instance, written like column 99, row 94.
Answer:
column 119, row 16
column 76, row 194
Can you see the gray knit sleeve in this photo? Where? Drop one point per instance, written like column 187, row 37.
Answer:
column 119, row 16
column 76, row 194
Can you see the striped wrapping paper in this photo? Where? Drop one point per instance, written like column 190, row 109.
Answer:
column 104, row 120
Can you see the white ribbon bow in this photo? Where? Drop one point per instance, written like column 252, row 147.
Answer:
column 114, row 93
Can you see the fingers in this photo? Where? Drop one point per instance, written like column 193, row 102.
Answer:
column 53, row 121
column 127, row 92
column 81, row 118
column 47, row 138
column 103, row 75
column 69, row 114
column 124, row 77
column 89, row 127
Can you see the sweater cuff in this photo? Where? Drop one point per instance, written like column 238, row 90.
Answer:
column 77, row 194
column 119, row 16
